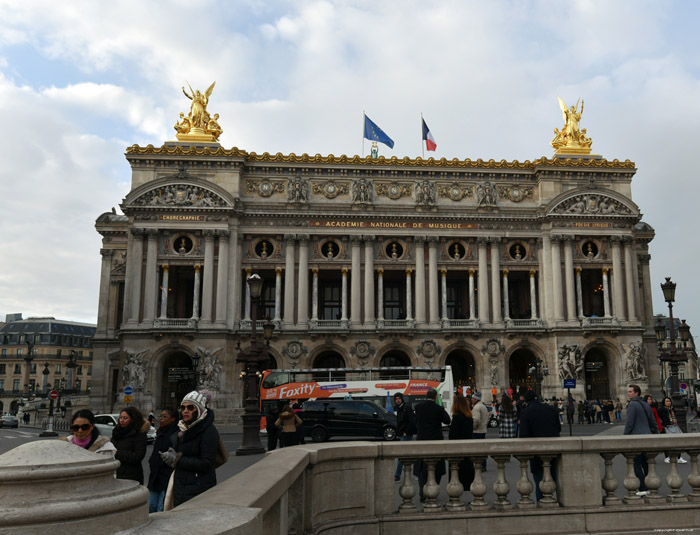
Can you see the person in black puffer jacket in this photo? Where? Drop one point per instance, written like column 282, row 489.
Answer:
column 160, row 472
column 194, row 453
column 129, row 437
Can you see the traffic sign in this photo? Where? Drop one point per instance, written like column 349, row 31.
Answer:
column 684, row 386
column 569, row 383
column 128, row 391
column 53, row 395
column 128, row 399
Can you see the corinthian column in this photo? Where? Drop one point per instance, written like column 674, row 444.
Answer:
column 369, row 283
column 380, row 297
column 496, row 279
column 247, row 303
column 102, row 310
column 556, row 279
column 303, row 297
column 533, row 294
column 289, row 282
column 137, row 263
column 443, row 295
column 151, row 294
column 355, row 295
column 344, row 299
column 420, row 281
column 472, row 296
column 483, row 282
column 314, row 298
column 618, row 280
column 222, row 275
column 433, row 283
column 195, row 292
column 208, row 287
column 506, row 297
column 278, row 296
column 606, row 293
column 164, row 293
column 629, row 281
column 579, row 293
column 569, row 278
column 409, row 297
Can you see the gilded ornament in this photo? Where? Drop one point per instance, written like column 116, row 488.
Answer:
column 571, row 140
column 394, row 190
column 455, row 191
column 330, row 189
column 514, row 193
column 198, row 125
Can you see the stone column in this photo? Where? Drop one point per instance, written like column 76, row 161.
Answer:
column 208, row 286
column 579, row 293
column 648, row 311
column 569, row 279
column 344, row 299
column 288, row 321
column 150, row 293
column 419, row 242
column 606, row 293
column 247, row 304
column 433, row 283
column 546, row 305
column 136, row 279
column 483, row 288
column 355, row 296
column 195, row 294
column 472, row 297
column 369, row 283
column 128, row 278
column 314, row 298
column 380, row 297
column 278, row 297
column 222, row 275
column 103, row 308
column 506, row 297
column 556, row 279
column 618, row 306
column 164, row 293
column 496, row 280
column 533, row 294
column 234, row 280
column 629, row 281
column 443, row 295
column 303, row 287
column 409, row 297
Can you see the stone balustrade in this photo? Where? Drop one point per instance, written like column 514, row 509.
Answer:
column 348, row 487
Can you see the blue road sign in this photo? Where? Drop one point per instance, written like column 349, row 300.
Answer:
column 128, row 391
column 569, row 383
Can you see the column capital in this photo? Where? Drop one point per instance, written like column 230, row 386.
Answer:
column 605, row 270
column 278, row 271
column 138, row 233
column 644, row 258
column 209, row 234
column 556, row 238
column 106, row 253
column 166, row 268
column 482, row 240
column 616, row 240
column 344, row 272
column 152, row 233
column 579, row 270
column 314, row 271
column 419, row 240
column 494, row 240
column 567, row 237
column 443, row 272
column 380, row 271
column 355, row 240
column 505, row 272
column 368, row 239
column 197, row 268
column 533, row 273
column 409, row 272
column 290, row 238
column 223, row 235
column 432, row 241
column 303, row 238
column 471, row 272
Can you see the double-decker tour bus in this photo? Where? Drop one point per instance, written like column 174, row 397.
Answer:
column 375, row 384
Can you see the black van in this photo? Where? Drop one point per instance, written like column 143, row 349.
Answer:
column 345, row 418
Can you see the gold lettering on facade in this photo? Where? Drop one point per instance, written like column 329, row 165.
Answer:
column 180, row 217
column 393, row 224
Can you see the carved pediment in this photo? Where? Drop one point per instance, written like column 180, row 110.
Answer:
column 181, row 195
column 591, row 204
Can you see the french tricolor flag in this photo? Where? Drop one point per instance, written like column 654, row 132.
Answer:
column 428, row 137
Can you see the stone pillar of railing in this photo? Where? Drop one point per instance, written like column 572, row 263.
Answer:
column 501, row 486
column 694, row 477
column 578, row 479
column 653, row 481
column 675, row 481
column 478, row 487
column 609, row 481
column 52, row 486
column 455, row 489
column 548, row 485
column 407, row 491
column 525, row 486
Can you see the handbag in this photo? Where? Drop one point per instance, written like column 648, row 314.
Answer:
column 222, row 454
column 673, row 429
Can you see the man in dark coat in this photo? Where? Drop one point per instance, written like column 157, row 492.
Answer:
column 640, row 421
column 538, row 420
column 405, row 426
column 159, row 475
column 273, row 412
column 194, row 454
column 429, row 419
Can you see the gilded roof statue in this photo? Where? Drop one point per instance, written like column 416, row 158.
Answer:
column 198, row 125
column 571, row 139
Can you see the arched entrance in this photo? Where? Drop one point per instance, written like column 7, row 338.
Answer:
column 329, row 360
column 14, row 406
column 463, row 368
column 597, row 379
column 393, row 359
column 519, row 364
column 177, row 379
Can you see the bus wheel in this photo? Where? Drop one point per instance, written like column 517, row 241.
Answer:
column 319, row 434
column 389, row 433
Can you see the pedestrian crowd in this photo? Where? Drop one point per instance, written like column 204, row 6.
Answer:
column 186, row 452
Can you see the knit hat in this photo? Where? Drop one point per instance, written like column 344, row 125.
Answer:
column 197, row 399
column 530, row 395
column 398, row 395
column 476, row 396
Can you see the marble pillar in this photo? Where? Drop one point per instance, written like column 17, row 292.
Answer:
column 409, row 296
column 369, row 283
column 208, row 282
column 569, row 280
column 472, row 296
column 533, row 294
column 344, row 299
column 314, row 297
column 303, row 285
column 380, row 297
column 483, row 286
column 629, row 282
column 506, row 297
column 288, row 320
column 496, row 280
column 278, row 297
column 222, row 275
column 137, row 262
column 151, row 291
column 579, row 293
column 103, row 308
column 557, row 288
column 618, row 308
column 433, row 295
column 420, row 282
column 164, row 292
column 355, row 285
column 195, row 292
column 606, row 293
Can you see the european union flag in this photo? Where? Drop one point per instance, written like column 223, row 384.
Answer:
column 374, row 133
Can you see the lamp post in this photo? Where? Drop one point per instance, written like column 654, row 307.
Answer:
column 252, row 359
column 27, row 364
column 540, row 371
column 195, row 364
column 72, row 365
column 49, row 428
column 672, row 354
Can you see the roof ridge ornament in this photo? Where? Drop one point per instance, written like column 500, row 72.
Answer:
column 198, row 125
column 571, row 140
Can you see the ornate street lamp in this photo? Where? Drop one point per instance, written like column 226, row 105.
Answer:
column 28, row 362
column 195, row 364
column 540, row 371
column 672, row 354
column 252, row 360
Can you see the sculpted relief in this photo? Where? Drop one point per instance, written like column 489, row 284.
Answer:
column 180, row 195
column 592, row 204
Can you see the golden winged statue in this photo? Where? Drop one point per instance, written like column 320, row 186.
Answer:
column 198, row 125
column 571, row 139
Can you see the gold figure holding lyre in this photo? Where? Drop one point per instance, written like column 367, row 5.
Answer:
column 571, row 140
column 198, row 125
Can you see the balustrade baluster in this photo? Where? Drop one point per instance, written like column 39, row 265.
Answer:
column 455, row 489
column 525, row 486
column 501, row 486
column 407, row 491
column 609, row 481
column 547, row 485
column 431, row 490
column 694, row 477
column 631, row 482
column 653, row 481
column 674, row 480
column 478, row 488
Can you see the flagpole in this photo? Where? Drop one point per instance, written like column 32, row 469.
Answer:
column 422, row 145
column 362, row 154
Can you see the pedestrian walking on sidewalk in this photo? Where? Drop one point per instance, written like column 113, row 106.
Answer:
column 640, row 421
column 159, row 473
column 129, row 437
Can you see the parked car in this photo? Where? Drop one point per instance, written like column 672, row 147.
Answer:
column 107, row 422
column 324, row 419
column 9, row 421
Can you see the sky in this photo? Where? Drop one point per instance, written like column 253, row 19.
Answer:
column 80, row 81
